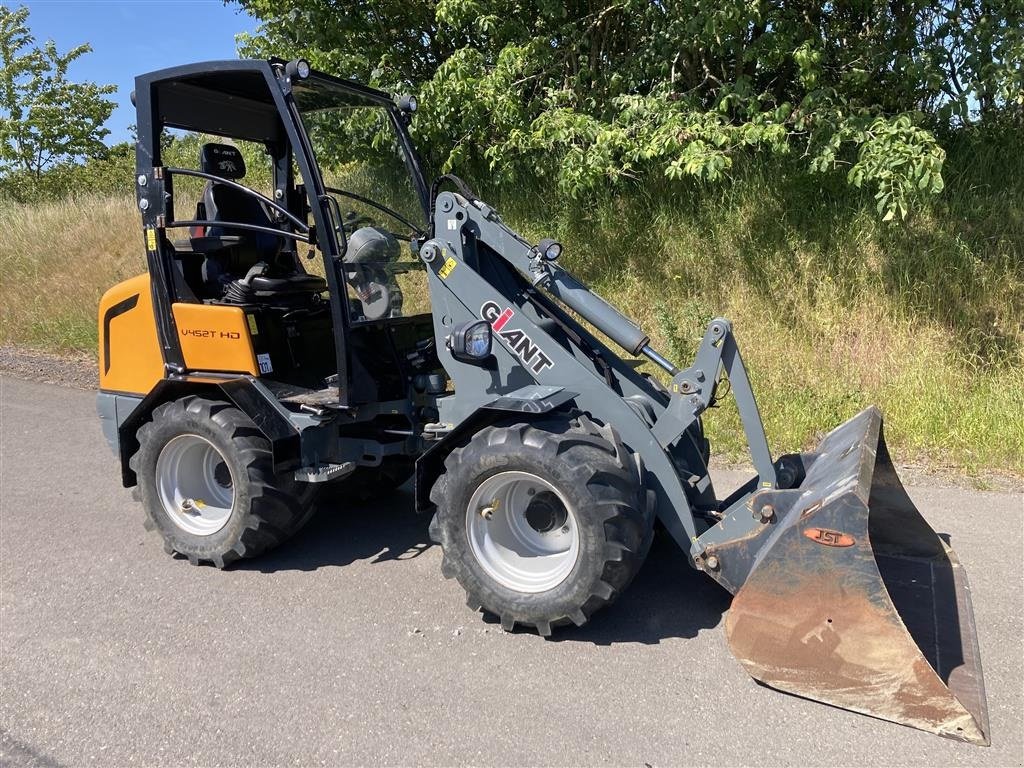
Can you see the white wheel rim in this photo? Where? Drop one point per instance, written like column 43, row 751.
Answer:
column 190, row 480
column 506, row 540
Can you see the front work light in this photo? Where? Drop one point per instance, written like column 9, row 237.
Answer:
column 297, row 69
column 470, row 342
column 407, row 103
column 549, row 249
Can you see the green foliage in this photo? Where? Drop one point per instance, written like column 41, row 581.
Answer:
column 834, row 309
column 591, row 96
column 682, row 326
column 45, row 120
column 111, row 171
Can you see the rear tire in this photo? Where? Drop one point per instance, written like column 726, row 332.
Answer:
column 556, row 555
column 207, row 483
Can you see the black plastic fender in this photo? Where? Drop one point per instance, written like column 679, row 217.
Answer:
column 247, row 394
column 528, row 403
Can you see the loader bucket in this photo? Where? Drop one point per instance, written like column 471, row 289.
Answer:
column 855, row 601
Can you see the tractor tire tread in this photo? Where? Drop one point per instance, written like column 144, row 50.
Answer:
column 617, row 501
column 277, row 506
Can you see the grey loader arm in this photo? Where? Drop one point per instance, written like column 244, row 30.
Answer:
column 464, row 270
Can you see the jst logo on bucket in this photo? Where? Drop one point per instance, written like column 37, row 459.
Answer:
column 517, row 340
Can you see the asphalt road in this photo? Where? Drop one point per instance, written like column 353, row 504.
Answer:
column 346, row 645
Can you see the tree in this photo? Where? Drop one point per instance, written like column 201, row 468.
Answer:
column 599, row 92
column 44, row 118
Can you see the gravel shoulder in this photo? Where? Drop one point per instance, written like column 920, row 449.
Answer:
column 71, row 370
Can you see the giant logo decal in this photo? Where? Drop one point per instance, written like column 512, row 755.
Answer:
column 517, row 340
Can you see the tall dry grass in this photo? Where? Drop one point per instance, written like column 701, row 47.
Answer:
column 833, row 309
column 56, row 260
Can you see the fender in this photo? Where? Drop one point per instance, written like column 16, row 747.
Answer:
column 527, row 403
column 247, row 394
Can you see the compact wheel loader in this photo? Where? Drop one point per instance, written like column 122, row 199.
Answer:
column 237, row 386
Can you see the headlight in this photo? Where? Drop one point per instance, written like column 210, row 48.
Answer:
column 471, row 342
column 478, row 341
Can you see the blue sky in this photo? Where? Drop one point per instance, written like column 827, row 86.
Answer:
column 129, row 37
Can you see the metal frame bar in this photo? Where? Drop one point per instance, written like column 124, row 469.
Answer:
column 693, row 392
column 237, row 225
column 383, row 208
column 331, row 241
column 151, row 195
column 169, row 171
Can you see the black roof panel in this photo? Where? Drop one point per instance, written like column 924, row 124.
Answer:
column 234, row 97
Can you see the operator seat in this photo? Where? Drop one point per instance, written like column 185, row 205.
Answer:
column 224, row 203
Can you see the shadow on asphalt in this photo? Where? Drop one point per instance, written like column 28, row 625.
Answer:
column 667, row 599
column 379, row 531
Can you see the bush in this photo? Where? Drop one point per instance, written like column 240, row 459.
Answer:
column 834, row 308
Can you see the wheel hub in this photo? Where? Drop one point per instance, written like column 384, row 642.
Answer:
column 194, row 485
column 546, row 512
column 222, row 475
column 522, row 532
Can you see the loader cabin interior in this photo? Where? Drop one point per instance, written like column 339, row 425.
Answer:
column 266, row 249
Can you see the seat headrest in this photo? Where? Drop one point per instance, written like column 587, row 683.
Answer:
column 221, row 160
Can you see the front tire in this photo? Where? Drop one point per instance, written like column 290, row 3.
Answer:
column 542, row 524
column 207, row 483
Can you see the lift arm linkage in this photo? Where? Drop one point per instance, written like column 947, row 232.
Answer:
column 693, row 391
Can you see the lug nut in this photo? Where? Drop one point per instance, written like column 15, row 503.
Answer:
column 488, row 512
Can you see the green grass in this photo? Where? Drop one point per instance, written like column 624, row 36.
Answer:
column 833, row 309
column 56, row 260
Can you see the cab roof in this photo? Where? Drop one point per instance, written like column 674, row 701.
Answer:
column 236, row 97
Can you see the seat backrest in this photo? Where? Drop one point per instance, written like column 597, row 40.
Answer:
column 227, row 204
column 222, row 160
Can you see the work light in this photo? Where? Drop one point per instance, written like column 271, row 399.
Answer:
column 471, row 342
column 297, row 69
column 549, row 249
